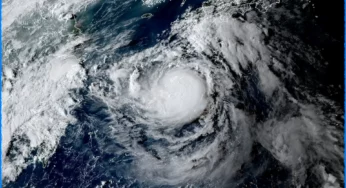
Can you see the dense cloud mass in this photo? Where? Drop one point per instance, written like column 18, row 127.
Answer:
column 200, row 93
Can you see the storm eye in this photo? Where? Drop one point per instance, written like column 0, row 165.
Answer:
column 179, row 96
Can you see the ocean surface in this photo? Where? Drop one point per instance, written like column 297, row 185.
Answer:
column 172, row 93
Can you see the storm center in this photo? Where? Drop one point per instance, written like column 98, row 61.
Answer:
column 179, row 96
